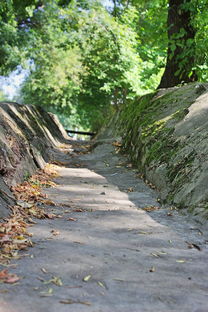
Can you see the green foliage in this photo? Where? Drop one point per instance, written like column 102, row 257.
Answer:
column 13, row 36
column 2, row 96
column 86, row 60
column 201, row 54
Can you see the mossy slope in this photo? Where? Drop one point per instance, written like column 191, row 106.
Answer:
column 165, row 133
column 28, row 135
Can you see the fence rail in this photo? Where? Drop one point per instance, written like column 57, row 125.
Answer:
column 81, row 132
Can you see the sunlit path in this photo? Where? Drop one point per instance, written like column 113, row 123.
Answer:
column 106, row 253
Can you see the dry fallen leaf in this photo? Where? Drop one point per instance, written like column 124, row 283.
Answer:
column 50, row 215
column 144, row 233
column 78, row 210
column 55, row 233
column 87, row 278
column 155, row 255
column 47, row 293
column 130, row 189
column 151, row 208
column 162, row 252
column 66, row 205
column 24, row 204
column 101, row 284
column 77, row 242
column 71, row 301
column 192, row 245
column 117, row 144
column 8, row 278
column 152, row 269
column 71, row 219
column 55, row 280
column 13, row 278
column 48, row 202
column 5, row 238
column 3, row 274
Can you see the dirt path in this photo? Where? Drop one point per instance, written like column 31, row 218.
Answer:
column 106, row 254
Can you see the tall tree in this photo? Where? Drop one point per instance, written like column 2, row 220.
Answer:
column 181, row 44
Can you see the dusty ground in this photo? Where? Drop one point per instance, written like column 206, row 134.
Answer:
column 108, row 253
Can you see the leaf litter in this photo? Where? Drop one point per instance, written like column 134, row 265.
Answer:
column 55, row 280
column 14, row 235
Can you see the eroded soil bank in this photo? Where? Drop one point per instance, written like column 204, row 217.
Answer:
column 28, row 135
column 114, row 249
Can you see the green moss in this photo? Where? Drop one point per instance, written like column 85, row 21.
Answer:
column 163, row 148
column 180, row 114
column 147, row 127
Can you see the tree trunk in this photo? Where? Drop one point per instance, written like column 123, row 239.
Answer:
column 181, row 46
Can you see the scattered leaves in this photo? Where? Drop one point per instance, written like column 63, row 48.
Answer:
column 13, row 230
column 151, row 208
column 117, row 144
column 55, row 280
column 13, row 237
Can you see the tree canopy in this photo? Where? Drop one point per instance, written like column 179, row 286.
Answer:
column 88, row 57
